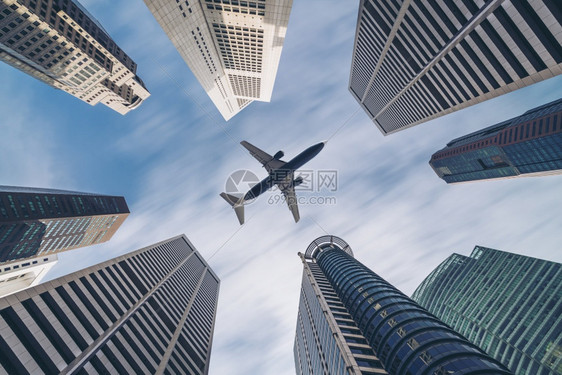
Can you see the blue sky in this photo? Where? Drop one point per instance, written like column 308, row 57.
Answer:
column 170, row 159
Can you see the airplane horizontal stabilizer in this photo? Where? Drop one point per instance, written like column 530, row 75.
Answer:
column 239, row 213
column 237, row 204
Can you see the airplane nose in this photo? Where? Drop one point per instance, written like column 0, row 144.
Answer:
column 324, row 142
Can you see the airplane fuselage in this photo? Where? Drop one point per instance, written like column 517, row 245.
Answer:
column 279, row 175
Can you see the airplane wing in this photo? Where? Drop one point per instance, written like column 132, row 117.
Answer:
column 291, row 199
column 267, row 161
column 287, row 187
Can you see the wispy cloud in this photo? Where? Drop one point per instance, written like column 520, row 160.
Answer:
column 170, row 159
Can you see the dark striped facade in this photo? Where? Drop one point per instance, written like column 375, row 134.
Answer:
column 405, row 337
column 36, row 222
column 528, row 145
column 417, row 60
column 510, row 305
column 147, row 312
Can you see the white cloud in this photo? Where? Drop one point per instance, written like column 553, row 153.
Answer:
column 399, row 218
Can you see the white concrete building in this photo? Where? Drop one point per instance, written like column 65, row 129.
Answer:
column 24, row 273
column 61, row 44
column 232, row 47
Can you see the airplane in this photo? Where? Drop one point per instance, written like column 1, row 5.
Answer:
column 281, row 173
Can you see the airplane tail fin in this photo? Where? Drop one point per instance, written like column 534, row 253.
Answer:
column 237, row 204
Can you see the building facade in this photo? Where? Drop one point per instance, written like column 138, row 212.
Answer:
column 64, row 46
column 37, row 222
column 351, row 321
column 414, row 60
column 150, row 311
column 21, row 274
column 528, row 145
column 232, row 47
column 510, row 305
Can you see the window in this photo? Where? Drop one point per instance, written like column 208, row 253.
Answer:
column 413, row 344
column 425, row 357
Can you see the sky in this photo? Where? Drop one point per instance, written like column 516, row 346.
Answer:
column 170, row 159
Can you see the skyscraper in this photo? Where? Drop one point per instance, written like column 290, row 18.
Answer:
column 232, row 47
column 510, row 305
column 417, row 60
column 36, row 221
column 150, row 311
column 528, row 145
column 61, row 44
column 351, row 321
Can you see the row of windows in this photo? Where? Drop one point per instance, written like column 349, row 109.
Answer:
column 245, row 86
column 241, row 47
column 539, row 154
column 30, row 206
column 29, row 46
column 20, row 240
column 243, row 7
column 23, row 265
column 204, row 53
column 515, row 133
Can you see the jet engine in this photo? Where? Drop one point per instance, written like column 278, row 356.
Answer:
column 279, row 155
column 297, row 181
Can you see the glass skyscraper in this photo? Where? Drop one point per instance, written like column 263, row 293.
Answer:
column 351, row 321
column 417, row 60
column 35, row 221
column 148, row 312
column 509, row 305
column 528, row 145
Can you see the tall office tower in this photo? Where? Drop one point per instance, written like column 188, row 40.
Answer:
column 351, row 321
column 232, row 47
column 21, row 274
column 61, row 44
column 528, row 145
column 37, row 222
column 148, row 312
column 510, row 305
column 417, row 60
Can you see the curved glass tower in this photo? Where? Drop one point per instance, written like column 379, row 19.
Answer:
column 510, row 305
column 363, row 320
